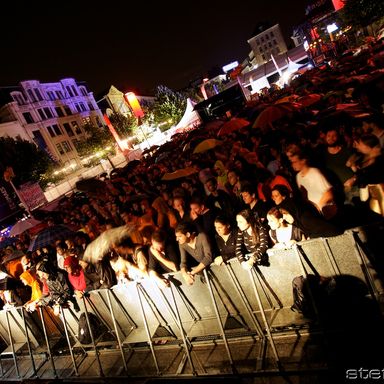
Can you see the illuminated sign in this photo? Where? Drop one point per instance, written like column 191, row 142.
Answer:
column 230, row 66
column 332, row 28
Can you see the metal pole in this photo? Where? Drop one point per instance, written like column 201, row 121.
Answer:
column 11, row 344
column 101, row 373
column 28, row 342
column 244, row 300
column 117, row 332
column 183, row 335
column 68, row 340
column 147, row 329
column 219, row 319
column 274, row 350
column 47, row 342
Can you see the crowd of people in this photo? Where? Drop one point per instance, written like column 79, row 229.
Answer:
column 313, row 173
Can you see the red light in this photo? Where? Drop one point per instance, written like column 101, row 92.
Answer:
column 134, row 104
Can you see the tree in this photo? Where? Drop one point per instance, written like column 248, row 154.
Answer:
column 28, row 162
column 361, row 13
column 169, row 107
column 124, row 125
column 99, row 144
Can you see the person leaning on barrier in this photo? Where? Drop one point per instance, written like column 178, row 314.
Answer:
column 59, row 290
column 225, row 237
column 29, row 279
column 193, row 244
column 163, row 257
column 252, row 240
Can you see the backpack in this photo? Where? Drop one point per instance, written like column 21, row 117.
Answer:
column 84, row 335
column 304, row 291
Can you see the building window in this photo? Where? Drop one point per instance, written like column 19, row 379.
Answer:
column 28, row 118
column 90, row 107
column 98, row 122
column 271, row 33
column 67, row 110
column 69, row 90
column 86, row 120
column 51, row 96
column 59, row 112
column 74, row 90
column 83, row 107
column 66, row 146
column 83, row 91
column 38, row 94
column 76, row 127
column 41, row 113
column 270, row 45
column 68, row 129
column 50, row 131
column 31, row 95
column 274, row 42
column 258, row 42
column 59, row 95
column 263, row 56
column 57, row 130
column 48, row 112
column 60, row 149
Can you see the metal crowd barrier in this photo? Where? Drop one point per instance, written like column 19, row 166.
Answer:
column 225, row 302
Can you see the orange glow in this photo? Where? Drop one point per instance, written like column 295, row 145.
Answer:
column 134, row 104
column 120, row 144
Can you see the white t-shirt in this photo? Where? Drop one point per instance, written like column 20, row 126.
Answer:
column 314, row 183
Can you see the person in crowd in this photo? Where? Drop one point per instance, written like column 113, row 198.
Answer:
column 258, row 207
column 282, row 233
column 374, row 124
column 221, row 174
column 163, row 257
column 29, row 279
column 197, row 246
column 334, row 157
column 59, row 291
column 252, row 240
column 313, row 185
column 218, row 198
column 165, row 218
column 181, row 209
column 225, row 237
column 61, row 253
column 303, row 215
column 76, row 275
column 203, row 217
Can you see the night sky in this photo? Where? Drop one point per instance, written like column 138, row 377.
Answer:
column 134, row 46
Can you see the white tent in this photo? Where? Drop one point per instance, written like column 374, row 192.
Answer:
column 190, row 119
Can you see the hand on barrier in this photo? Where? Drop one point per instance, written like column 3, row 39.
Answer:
column 218, row 260
column 247, row 265
column 189, row 278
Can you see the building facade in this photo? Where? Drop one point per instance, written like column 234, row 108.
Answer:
column 266, row 43
column 51, row 115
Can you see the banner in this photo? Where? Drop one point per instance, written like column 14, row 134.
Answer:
column 32, row 195
column 8, row 205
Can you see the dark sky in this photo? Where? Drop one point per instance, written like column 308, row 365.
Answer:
column 133, row 47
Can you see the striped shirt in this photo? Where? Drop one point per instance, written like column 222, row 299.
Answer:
column 246, row 247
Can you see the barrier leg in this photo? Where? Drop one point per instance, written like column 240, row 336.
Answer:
column 219, row 320
column 28, row 343
column 117, row 331
column 68, row 340
column 244, row 299
column 11, row 344
column 147, row 329
column 101, row 373
column 183, row 333
column 47, row 342
column 252, row 272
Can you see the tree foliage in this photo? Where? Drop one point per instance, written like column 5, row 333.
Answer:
column 28, row 162
column 361, row 13
column 169, row 107
column 98, row 140
column 124, row 125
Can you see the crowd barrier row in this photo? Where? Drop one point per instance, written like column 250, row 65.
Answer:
column 224, row 302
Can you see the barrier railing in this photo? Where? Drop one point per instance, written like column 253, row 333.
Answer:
column 225, row 302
